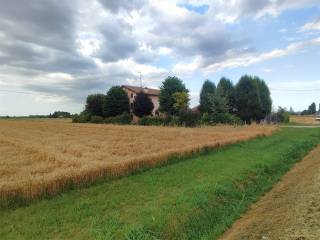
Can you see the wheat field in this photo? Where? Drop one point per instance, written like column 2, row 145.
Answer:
column 306, row 119
column 43, row 157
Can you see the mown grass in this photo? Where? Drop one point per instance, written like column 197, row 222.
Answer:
column 197, row 198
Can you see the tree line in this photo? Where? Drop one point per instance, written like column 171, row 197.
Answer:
column 312, row 109
column 249, row 100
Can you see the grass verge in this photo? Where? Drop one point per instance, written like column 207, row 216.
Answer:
column 194, row 199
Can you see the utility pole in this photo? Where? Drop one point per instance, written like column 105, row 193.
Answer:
column 140, row 79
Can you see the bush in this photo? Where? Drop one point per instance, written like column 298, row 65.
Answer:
column 60, row 114
column 96, row 119
column 205, row 119
column 225, row 118
column 173, row 121
column 123, row 119
column 159, row 121
column 283, row 115
column 152, row 120
column 83, row 117
column 188, row 118
column 220, row 118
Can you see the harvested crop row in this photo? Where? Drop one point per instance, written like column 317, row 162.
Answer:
column 41, row 158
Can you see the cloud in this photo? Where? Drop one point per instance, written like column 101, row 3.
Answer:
column 117, row 5
column 268, row 70
column 249, row 58
column 231, row 11
column 311, row 26
column 41, row 36
column 42, row 22
column 296, row 86
column 118, row 41
column 71, row 48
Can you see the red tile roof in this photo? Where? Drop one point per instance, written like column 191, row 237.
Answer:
column 149, row 91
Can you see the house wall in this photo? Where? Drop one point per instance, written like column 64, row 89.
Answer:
column 131, row 96
column 155, row 101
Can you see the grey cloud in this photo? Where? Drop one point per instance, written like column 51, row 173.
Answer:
column 116, row 5
column 33, row 57
column 41, row 35
column 194, row 36
column 258, row 8
column 76, row 90
column 188, row 35
column 119, row 42
column 252, row 6
column 43, row 22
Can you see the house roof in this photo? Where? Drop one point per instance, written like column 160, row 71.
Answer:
column 149, row 91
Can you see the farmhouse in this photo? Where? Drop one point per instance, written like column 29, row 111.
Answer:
column 153, row 94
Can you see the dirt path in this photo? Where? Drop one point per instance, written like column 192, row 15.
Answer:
column 290, row 211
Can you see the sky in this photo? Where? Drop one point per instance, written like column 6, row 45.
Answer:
column 54, row 53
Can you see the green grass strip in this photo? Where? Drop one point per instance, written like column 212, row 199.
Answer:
column 193, row 199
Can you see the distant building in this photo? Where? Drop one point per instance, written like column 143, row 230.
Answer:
column 153, row 94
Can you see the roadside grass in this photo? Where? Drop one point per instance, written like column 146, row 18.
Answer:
column 197, row 198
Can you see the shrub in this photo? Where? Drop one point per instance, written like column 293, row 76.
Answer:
column 96, row 119
column 152, row 120
column 205, row 119
column 123, row 119
column 83, row 117
column 283, row 115
column 188, row 118
column 225, row 118
column 173, row 121
column 60, row 114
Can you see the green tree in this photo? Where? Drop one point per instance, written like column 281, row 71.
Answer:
column 283, row 115
column 170, row 86
column 247, row 99
column 94, row 104
column 181, row 101
column 265, row 99
column 226, row 89
column 142, row 105
column 218, row 104
column 291, row 111
column 207, row 92
column 312, row 108
column 116, row 102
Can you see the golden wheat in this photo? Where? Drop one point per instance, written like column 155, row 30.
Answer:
column 44, row 157
column 306, row 119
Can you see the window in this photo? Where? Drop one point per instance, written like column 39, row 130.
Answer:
column 131, row 105
column 131, row 95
